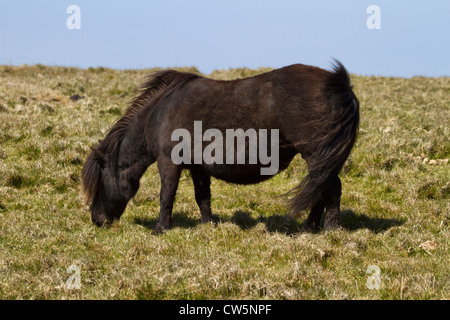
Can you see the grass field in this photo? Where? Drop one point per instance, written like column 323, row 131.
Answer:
column 395, row 204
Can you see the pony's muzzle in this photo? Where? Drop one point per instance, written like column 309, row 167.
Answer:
column 101, row 221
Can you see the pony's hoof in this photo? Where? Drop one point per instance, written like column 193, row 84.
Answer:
column 332, row 226
column 310, row 228
column 159, row 230
column 206, row 220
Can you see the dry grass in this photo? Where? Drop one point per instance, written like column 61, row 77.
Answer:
column 395, row 203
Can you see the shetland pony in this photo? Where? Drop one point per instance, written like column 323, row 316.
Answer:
column 314, row 111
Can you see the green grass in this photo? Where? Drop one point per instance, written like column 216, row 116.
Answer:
column 395, row 203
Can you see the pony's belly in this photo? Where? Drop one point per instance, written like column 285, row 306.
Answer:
column 237, row 173
column 248, row 173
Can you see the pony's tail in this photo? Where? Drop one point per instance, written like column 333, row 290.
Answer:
column 333, row 147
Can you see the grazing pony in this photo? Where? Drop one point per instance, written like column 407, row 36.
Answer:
column 313, row 111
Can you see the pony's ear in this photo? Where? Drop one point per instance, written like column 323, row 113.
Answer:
column 98, row 156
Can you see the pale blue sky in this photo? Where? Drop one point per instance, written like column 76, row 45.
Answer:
column 414, row 38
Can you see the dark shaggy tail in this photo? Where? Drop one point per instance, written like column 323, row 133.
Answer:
column 334, row 145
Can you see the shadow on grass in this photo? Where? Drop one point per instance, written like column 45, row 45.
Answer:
column 179, row 219
column 274, row 223
column 351, row 221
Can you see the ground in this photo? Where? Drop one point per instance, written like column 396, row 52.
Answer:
column 393, row 243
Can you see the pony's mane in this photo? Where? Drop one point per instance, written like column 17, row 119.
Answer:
column 151, row 90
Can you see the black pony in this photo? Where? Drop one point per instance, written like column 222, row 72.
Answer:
column 314, row 112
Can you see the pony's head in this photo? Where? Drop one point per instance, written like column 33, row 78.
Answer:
column 107, row 184
column 106, row 190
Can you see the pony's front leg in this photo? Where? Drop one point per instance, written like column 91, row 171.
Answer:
column 202, row 186
column 170, row 175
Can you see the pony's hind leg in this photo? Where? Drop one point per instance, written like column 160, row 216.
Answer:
column 333, row 200
column 330, row 200
column 170, row 175
column 202, row 185
column 312, row 223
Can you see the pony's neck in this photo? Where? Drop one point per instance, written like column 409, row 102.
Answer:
column 134, row 156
